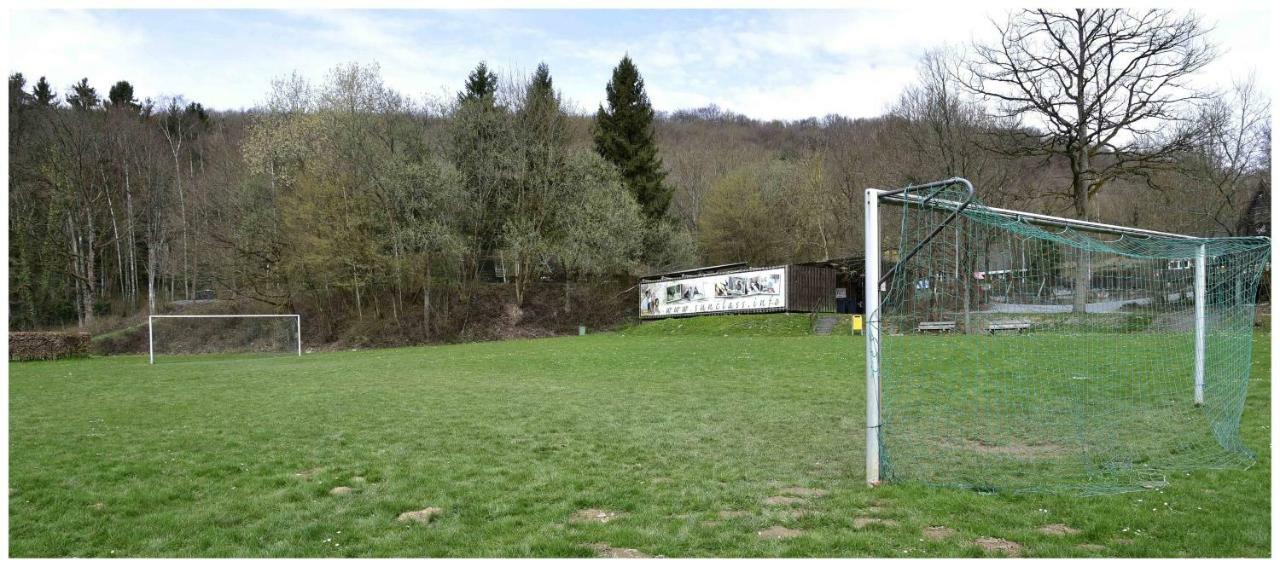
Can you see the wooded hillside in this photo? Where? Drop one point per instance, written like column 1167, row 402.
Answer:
column 361, row 207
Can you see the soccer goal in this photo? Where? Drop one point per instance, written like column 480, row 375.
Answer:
column 224, row 334
column 1024, row 352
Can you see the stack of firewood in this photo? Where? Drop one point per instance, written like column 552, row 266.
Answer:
column 44, row 345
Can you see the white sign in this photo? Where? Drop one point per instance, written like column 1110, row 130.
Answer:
column 723, row 293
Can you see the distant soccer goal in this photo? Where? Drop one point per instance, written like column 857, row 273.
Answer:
column 224, row 334
column 1021, row 352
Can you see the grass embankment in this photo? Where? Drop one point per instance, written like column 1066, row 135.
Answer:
column 779, row 325
column 689, row 439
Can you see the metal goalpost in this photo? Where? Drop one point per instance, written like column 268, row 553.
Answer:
column 151, row 336
column 875, row 284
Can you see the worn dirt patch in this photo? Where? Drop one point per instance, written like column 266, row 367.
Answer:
column 937, row 533
column 1092, row 547
column 423, row 516
column 782, row 500
column 778, row 532
column 995, row 544
column 1021, row 450
column 340, row 491
column 805, row 492
column 604, row 550
column 1058, row 529
column 863, row 521
column 726, row 515
column 594, row 515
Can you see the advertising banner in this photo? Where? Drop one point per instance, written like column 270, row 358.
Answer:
column 753, row 290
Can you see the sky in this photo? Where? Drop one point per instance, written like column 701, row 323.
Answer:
column 765, row 64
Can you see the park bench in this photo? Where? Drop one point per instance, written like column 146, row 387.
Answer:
column 1016, row 326
column 940, row 326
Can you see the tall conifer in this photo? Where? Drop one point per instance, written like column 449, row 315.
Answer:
column 624, row 137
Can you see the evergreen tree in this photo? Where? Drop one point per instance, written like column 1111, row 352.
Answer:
column 624, row 137
column 481, row 85
column 543, row 122
column 485, row 152
column 83, row 96
column 18, row 95
column 121, row 96
column 530, row 234
column 44, row 94
column 539, row 85
column 19, row 104
column 196, row 112
column 541, row 95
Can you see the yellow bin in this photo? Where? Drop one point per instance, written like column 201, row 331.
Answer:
column 857, row 324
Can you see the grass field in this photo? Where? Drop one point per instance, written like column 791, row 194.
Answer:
column 1085, row 413
column 688, row 430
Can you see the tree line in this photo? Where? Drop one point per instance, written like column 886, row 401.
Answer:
column 343, row 193
column 348, row 201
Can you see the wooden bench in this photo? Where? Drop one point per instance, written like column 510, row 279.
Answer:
column 940, row 326
column 1017, row 326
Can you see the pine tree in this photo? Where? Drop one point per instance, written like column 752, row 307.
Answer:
column 530, row 234
column 624, row 137
column 83, row 96
column 485, row 152
column 541, row 94
column 44, row 94
column 481, row 85
column 18, row 95
column 196, row 112
column 542, row 121
column 121, row 96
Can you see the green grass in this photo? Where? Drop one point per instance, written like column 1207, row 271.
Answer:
column 1084, row 413
column 201, row 457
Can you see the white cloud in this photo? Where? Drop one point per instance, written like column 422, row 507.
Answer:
column 68, row 45
column 778, row 64
column 786, row 65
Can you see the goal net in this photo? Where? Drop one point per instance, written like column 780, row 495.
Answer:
column 224, row 334
column 1020, row 352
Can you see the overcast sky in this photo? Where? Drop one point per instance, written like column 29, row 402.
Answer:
column 765, row 64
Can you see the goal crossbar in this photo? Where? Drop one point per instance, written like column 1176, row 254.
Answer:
column 151, row 335
column 1033, row 218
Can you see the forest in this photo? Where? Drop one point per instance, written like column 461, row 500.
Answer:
column 385, row 218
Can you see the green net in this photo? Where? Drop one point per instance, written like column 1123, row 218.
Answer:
column 1032, row 358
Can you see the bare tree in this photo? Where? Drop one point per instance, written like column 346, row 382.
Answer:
column 1107, row 90
column 176, row 129
column 857, row 154
column 1234, row 149
column 948, row 132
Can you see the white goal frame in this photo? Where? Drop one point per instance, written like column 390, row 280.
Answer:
column 874, row 285
column 151, row 330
